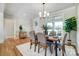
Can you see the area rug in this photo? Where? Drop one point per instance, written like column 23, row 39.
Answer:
column 26, row 51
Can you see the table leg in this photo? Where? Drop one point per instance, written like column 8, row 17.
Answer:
column 56, row 48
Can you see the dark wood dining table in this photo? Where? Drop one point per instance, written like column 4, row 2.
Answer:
column 53, row 39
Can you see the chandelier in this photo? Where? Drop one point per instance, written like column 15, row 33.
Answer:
column 43, row 14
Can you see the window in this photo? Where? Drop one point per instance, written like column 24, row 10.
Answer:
column 58, row 27
column 55, row 26
column 50, row 26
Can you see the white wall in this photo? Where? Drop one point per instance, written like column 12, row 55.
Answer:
column 38, row 27
column 77, row 25
column 1, row 28
column 26, row 24
column 1, row 23
column 12, row 26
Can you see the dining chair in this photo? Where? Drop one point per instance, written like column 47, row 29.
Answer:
column 61, row 44
column 33, row 39
column 42, row 42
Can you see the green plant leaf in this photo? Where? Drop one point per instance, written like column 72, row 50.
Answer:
column 70, row 24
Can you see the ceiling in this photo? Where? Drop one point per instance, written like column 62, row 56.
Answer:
column 30, row 10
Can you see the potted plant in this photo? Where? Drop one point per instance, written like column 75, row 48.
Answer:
column 70, row 25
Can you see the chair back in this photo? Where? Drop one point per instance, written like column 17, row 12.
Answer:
column 64, row 39
column 32, row 35
column 41, row 38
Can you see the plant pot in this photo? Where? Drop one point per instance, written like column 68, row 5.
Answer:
column 69, row 42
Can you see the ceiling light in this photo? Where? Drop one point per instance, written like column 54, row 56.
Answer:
column 43, row 14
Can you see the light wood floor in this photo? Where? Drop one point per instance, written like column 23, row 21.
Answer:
column 8, row 48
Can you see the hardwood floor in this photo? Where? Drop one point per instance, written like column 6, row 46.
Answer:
column 8, row 48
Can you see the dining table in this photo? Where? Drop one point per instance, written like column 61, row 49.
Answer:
column 53, row 39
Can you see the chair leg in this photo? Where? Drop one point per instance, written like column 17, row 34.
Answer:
column 36, row 43
column 52, row 48
column 35, row 48
column 45, row 51
column 38, row 47
column 30, row 45
column 62, row 50
column 59, row 49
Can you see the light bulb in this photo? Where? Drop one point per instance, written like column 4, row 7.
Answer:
column 47, row 14
column 40, row 14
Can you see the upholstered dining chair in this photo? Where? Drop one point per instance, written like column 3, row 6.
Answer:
column 42, row 42
column 61, row 44
column 33, row 39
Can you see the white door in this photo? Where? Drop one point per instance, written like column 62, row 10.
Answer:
column 9, row 28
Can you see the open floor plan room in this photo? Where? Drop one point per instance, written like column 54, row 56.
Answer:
column 39, row 29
